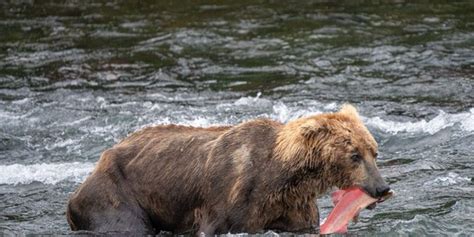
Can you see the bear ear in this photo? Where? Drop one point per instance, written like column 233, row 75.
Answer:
column 349, row 110
column 312, row 128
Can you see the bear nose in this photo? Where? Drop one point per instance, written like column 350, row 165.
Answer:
column 382, row 190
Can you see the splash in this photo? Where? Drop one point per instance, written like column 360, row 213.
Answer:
column 45, row 173
column 443, row 120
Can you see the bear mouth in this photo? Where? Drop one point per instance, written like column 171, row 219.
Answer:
column 371, row 206
column 386, row 196
column 380, row 199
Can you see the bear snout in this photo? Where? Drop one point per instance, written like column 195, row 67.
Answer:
column 382, row 190
column 378, row 190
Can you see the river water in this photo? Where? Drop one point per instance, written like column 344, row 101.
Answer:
column 78, row 76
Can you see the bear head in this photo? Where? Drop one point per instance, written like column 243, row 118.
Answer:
column 336, row 149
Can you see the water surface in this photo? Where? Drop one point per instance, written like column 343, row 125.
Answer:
column 78, row 76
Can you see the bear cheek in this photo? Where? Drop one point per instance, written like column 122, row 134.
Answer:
column 358, row 175
column 353, row 174
column 348, row 174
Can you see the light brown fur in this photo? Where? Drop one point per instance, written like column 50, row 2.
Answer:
column 251, row 177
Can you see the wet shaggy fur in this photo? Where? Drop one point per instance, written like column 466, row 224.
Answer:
column 256, row 176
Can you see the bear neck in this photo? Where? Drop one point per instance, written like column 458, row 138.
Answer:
column 303, row 172
column 299, row 184
column 307, row 183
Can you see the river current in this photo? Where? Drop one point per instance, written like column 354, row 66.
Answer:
column 78, row 76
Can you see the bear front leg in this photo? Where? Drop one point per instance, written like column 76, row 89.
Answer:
column 206, row 221
column 303, row 219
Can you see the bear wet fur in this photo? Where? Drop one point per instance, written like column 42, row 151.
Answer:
column 255, row 176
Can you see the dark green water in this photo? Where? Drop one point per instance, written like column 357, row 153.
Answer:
column 77, row 76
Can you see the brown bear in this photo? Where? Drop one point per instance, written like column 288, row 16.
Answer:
column 255, row 176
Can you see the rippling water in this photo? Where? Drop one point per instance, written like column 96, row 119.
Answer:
column 77, row 76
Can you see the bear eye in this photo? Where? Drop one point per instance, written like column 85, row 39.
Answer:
column 356, row 157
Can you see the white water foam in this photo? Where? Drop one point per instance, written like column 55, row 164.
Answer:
column 465, row 120
column 45, row 173
column 448, row 180
column 441, row 121
column 284, row 113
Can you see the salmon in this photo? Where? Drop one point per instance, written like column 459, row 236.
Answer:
column 348, row 203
